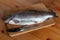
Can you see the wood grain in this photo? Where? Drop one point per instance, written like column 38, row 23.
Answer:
column 50, row 33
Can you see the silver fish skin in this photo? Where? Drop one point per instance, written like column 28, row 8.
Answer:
column 28, row 17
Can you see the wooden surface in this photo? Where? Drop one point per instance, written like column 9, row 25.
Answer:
column 50, row 33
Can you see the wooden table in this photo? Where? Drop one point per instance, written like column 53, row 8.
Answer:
column 50, row 33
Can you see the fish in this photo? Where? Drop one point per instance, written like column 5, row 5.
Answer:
column 28, row 17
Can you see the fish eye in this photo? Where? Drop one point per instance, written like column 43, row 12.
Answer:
column 16, row 21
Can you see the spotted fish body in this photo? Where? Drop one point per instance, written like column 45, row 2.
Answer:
column 28, row 17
